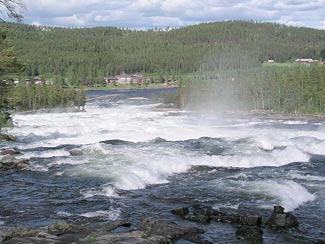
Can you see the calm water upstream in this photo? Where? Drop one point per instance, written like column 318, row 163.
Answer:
column 167, row 159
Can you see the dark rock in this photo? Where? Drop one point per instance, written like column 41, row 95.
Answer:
column 151, row 231
column 22, row 165
column 206, row 214
column 134, row 237
column 251, row 234
column 5, row 234
column 158, row 140
column 5, row 137
column 280, row 219
column 182, row 212
column 198, row 213
column 203, row 214
column 252, row 220
column 76, row 153
column 60, row 229
column 170, row 231
column 113, row 226
column 32, row 240
column 8, row 159
column 9, row 152
column 9, row 162
column 117, row 142
column 278, row 209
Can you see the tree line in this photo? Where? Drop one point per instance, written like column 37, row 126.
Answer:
column 84, row 56
column 279, row 88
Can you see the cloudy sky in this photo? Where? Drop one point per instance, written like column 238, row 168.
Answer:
column 174, row 13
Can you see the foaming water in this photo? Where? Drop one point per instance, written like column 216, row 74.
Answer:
column 187, row 142
column 121, row 155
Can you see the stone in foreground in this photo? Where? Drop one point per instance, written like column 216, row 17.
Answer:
column 280, row 219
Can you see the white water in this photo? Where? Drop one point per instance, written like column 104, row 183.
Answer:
column 127, row 167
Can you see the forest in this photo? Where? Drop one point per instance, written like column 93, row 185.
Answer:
column 218, row 65
column 269, row 87
column 26, row 97
column 86, row 55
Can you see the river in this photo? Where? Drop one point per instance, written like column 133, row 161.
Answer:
column 164, row 159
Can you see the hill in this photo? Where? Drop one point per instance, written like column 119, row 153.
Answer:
column 89, row 54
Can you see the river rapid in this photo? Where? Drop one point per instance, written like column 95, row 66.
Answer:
column 163, row 159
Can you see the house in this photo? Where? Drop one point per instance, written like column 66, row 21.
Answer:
column 137, row 79
column 110, row 79
column 28, row 81
column 48, row 82
column 124, row 79
column 305, row 60
column 37, row 81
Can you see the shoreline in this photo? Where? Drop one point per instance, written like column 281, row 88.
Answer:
column 131, row 88
column 286, row 116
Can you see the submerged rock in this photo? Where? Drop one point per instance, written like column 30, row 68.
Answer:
column 280, row 219
column 117, row 142
column 6, row 137
column 206, row 214
column 76, row 152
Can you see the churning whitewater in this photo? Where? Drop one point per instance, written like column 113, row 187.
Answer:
column 131, row 157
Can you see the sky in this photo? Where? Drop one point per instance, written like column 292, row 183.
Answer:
column 144, row 14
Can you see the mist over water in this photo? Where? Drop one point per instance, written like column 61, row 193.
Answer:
column 163, row 159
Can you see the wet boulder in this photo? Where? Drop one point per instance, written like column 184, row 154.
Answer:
column 206, row 214
column 250, row 234
column 10, row 152
column 117, row 142
column 168, row 230
column 197, row 213
column 5, row 234
column 76, row 152
column 280, row 219
column 9, row 162
column 182, row 212
column 158, row 140
column 150, row 231
column 251, row 220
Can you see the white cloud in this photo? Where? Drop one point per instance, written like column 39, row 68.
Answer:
column 72, row 20
column 151, row 13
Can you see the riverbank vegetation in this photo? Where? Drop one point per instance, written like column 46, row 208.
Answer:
column 25, row 97
column 293, row 89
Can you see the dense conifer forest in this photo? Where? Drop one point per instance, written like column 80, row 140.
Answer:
column 89, row 54
column 221, row 65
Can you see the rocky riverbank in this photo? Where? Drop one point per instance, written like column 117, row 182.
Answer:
column 8, row 161
column 152, row 230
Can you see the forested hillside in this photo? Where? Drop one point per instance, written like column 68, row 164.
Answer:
column 218, row 65
column 89, row 54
